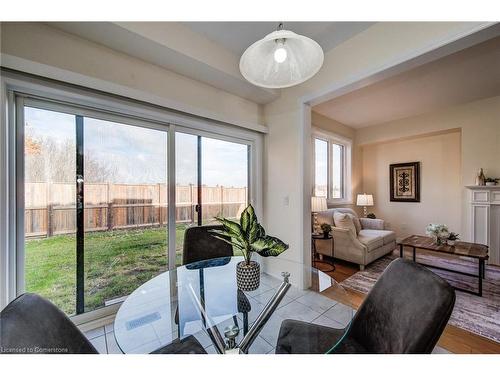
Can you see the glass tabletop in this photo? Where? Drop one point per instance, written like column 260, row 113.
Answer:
column 202, row 299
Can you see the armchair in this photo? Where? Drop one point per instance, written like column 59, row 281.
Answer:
column 369, row 242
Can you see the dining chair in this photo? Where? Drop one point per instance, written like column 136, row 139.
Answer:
column 200, row 244
column 405, row 312
column 32, row 324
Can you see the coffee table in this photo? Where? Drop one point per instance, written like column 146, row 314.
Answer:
column 461, row 249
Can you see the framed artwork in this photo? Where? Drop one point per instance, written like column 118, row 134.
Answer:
column 405, row 182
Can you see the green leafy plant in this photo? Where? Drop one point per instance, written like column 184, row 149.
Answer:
column 326, row 228
column 490, row 179
column 371, row 215
column 249, row 236
column 453, row 236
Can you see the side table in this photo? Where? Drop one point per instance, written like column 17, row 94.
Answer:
column 321, row 237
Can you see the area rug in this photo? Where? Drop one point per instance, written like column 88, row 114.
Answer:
column 479, row 315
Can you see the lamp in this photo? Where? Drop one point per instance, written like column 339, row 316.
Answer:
column 318, row 204
column 281, row 59
column 364, row 200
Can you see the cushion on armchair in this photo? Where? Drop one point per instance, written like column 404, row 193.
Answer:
column 367, row 223
column 344, row 221
column 357, row 223
column 387, row 236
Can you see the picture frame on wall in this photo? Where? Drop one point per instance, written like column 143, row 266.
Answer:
column 405, row 182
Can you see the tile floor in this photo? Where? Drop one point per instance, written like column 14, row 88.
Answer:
column 298, row 304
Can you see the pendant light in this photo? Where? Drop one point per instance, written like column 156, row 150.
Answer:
column 281, row 59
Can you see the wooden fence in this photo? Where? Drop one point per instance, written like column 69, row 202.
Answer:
column 50, row 207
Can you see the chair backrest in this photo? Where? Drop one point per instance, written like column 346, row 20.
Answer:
column 405, row 312
column 200, row 244
column 31, row 324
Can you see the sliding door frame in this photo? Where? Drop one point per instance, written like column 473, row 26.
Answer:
column 22, row 93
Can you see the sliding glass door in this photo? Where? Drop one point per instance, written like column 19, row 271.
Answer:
column 96, row 207
column 96, row 194
column 125, row 214
column 211, row 180
column 50, row 206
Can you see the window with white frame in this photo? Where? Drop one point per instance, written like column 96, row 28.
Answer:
column 332, row 166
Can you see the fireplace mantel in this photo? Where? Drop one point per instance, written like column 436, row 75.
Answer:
column 484, row 204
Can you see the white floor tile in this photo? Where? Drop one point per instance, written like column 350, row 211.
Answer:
column 295, row 292
column 111, row 344
column 109, row 327
column 257, row 307
column 271, row 330
column 203, row 339
column 327, row 322
column 440, row 350
column 298, row 311
column 261, row 289
column 340, row 313
column 211, row 350
column 264, row 298
column 147, row 348
column 93, row 333
column 316, row 301
column 99, row 344
column 260, row 346
column 271, row 281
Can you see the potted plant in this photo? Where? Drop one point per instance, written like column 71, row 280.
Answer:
column 326, row 229
column 489, row 181
column 371, row 215
column 248, row 236
column 439, row 232
column 452, row 237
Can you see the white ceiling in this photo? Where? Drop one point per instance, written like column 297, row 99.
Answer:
column 205, row 51
column 237, row 36
column 471, row 74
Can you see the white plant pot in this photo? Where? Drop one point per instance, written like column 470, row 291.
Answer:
column 491, row 183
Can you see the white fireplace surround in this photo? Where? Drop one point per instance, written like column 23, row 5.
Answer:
column 485, row 218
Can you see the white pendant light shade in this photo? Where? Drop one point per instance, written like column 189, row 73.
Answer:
column 281, row 59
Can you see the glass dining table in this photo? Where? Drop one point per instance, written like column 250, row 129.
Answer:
column 202, row 299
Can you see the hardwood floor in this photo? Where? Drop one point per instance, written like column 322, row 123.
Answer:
column 453, row 339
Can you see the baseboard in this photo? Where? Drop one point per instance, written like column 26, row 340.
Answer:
column 96, row 323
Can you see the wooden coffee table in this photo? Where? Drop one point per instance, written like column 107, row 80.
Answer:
column 463, row 249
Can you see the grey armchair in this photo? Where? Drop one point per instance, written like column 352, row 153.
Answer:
column 405, row 312
column 370, row 242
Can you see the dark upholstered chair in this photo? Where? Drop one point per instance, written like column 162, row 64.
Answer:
column 187, row 345
column 405, row 312
column 31, row 324
column 200, row 244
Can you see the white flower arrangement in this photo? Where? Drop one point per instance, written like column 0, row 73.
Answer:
column 440, row 232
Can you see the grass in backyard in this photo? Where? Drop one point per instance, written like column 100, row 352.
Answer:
column 116, row 263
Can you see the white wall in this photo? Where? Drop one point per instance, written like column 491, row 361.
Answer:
column 288, row 142
column 37, row 42
column 440, row 172
column 479, row 123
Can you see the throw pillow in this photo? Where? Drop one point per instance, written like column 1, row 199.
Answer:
column 357, row 223
column 344, row 221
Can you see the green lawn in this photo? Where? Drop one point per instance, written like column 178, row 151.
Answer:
column 116, row 263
